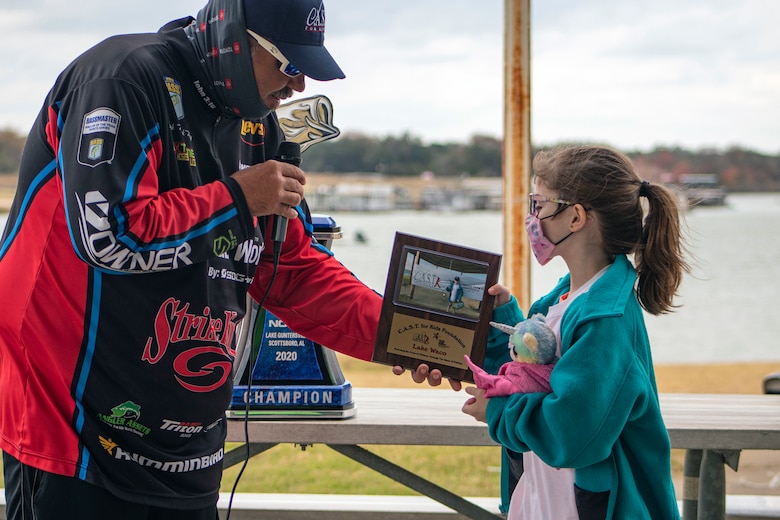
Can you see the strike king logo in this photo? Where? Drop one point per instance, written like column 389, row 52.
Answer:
column 202, row 368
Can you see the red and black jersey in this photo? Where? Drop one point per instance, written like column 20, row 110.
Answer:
column 126, row 261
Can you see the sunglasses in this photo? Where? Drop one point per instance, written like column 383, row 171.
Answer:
column 535, row 202
column 287, row 68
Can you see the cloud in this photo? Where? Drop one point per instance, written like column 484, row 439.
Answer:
column 699, row 73
column 695, row 73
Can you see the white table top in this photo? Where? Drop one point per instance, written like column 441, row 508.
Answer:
column 429, row 416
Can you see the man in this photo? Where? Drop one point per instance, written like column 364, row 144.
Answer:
column 146, row 196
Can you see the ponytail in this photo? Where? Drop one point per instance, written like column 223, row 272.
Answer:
column 660, row 256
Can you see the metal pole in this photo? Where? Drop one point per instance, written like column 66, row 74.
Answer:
column 517, row 147
column 712, row 487
column 690, row 488
column 415, row 482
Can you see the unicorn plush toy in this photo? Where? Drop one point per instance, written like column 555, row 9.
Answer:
column 533, row 349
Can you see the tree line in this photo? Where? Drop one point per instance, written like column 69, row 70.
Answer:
column 406, row 155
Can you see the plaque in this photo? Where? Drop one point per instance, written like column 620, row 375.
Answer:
column 436, row 308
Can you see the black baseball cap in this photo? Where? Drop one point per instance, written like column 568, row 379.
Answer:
column 297, row 28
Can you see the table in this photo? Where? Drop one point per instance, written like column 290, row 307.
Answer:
column 712, row 428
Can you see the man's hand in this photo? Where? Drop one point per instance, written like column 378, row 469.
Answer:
column 272, row 188
column 423, row 373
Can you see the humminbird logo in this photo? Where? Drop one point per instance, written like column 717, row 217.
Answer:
column 104, row 249
column 171, row 466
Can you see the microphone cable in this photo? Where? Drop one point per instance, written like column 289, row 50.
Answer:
column 289, row 152
column 277, row 249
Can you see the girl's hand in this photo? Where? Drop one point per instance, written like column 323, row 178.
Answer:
column 502, row 294
column 423, row 372
column 476, row 406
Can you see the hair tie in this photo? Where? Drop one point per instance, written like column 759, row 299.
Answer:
column 644, row 189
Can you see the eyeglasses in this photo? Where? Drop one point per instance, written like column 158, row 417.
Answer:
column 287, row 68
column 535, row 202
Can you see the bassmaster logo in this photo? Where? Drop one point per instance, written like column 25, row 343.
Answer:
column 175, row 466
column 174, row 91
column 103, row 247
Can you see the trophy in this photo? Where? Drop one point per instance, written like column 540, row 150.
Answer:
column 279, row 374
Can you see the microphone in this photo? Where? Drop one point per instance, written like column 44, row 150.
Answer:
column 288, row 152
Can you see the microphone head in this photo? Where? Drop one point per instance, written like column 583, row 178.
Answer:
column 289, row 152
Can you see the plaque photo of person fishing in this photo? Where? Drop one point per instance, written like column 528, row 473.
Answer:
column 436, row 308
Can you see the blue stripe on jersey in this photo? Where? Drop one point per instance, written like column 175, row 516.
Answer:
column 309, row 228
column 122, row 226
column 37, row 182
column 203, row 229
column 60, row 126
column 146, row 144
column 86, row 365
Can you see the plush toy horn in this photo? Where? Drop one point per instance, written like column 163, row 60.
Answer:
column 506, row 329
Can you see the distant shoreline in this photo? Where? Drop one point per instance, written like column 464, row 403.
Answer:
column 7, row 190
column 315, row 182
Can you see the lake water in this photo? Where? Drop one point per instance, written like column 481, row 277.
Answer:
column 727, row 312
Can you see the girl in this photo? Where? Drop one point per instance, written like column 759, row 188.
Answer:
column 596, row 445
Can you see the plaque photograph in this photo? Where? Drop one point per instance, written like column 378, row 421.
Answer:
column 436, row 308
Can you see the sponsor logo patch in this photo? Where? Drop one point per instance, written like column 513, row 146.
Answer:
column 125, row 417
column 98, row 137
column 174, row 90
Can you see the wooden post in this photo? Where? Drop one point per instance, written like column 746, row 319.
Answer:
column 517, row 148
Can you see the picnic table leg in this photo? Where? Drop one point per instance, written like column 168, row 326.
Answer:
column 415, row 482
column 712, row 482
column 712, row 487
column 239, row 453
column 690, row 488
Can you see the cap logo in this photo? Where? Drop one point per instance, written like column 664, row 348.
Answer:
column 315, row 22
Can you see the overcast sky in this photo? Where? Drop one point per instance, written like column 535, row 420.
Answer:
column 692, row 73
